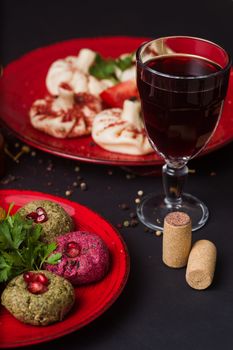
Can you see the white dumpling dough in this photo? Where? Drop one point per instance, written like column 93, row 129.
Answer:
column 68, row 115
column 74, row 71
column 121, row 131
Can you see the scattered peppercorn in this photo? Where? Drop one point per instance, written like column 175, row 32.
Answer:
column 126, row 223
column 134, row 222
column 158, row 233
column 49, row 167
column 147, row 229
column 140, row 193
column 83, row 186
column 119, row 225
column 25, row 149
column 68, row 193
column 132, row 215
column 10, row 178
column 130, row 176
column 123, row 206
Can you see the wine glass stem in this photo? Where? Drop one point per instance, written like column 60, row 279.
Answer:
column 173, row 182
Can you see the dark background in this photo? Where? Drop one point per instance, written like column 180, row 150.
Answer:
column 157, row 309
column 27, row 24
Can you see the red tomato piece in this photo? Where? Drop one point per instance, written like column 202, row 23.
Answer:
column 116, row 95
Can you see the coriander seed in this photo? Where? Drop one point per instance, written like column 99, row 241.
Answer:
column 158, row 233
column 68, row 193
column 126, row 223
column 83, row 186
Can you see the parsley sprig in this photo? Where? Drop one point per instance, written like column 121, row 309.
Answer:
column 106, row 68
column 20, row 247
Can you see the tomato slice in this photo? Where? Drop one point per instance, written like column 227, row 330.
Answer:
column 115, row 96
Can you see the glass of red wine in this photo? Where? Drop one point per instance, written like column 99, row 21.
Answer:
column 182, row 82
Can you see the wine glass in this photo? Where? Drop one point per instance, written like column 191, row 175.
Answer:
column 182, row 82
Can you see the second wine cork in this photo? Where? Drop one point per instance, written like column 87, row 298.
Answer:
column 177, row 239
column 201, row 264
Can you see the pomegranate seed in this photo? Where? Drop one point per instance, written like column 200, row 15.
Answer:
column 41, row 218
column 32, row 216
column 36, row 288
column 37, row 216
column 40, row 211
column 29, row 277
column 72, row 253
column 41, row 278
column 72, row 249
column 71, row 245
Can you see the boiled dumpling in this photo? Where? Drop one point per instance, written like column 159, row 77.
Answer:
column 121, row 130
column 68, row 115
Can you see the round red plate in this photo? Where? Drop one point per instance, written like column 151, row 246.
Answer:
column 24, row 81
column 92, row 300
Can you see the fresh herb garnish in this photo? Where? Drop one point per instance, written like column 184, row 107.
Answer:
column 125, row 62
column 106, row 68
column 20, row 247
column 103, row 68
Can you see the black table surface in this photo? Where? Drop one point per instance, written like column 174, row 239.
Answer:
column 157, row 309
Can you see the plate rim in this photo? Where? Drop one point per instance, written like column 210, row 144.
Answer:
column 156, row 162
column 100, row 311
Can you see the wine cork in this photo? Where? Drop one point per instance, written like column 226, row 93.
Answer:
column 201, row 265
column 177, row 238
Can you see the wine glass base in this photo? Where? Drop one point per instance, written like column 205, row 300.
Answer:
column 153, row 209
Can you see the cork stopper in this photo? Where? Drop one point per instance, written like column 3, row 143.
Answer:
column 201, row 265
column 177, row 218
column 177, row 239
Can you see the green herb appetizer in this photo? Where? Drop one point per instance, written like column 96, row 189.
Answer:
column 21, row 248
column 53, row 218
column 29, row 304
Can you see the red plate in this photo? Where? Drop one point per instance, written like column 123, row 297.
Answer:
column 24, row 81
column 92, row 300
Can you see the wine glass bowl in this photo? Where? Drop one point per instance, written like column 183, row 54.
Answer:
column 182, row 82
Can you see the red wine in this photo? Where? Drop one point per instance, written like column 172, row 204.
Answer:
column 180, row 114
